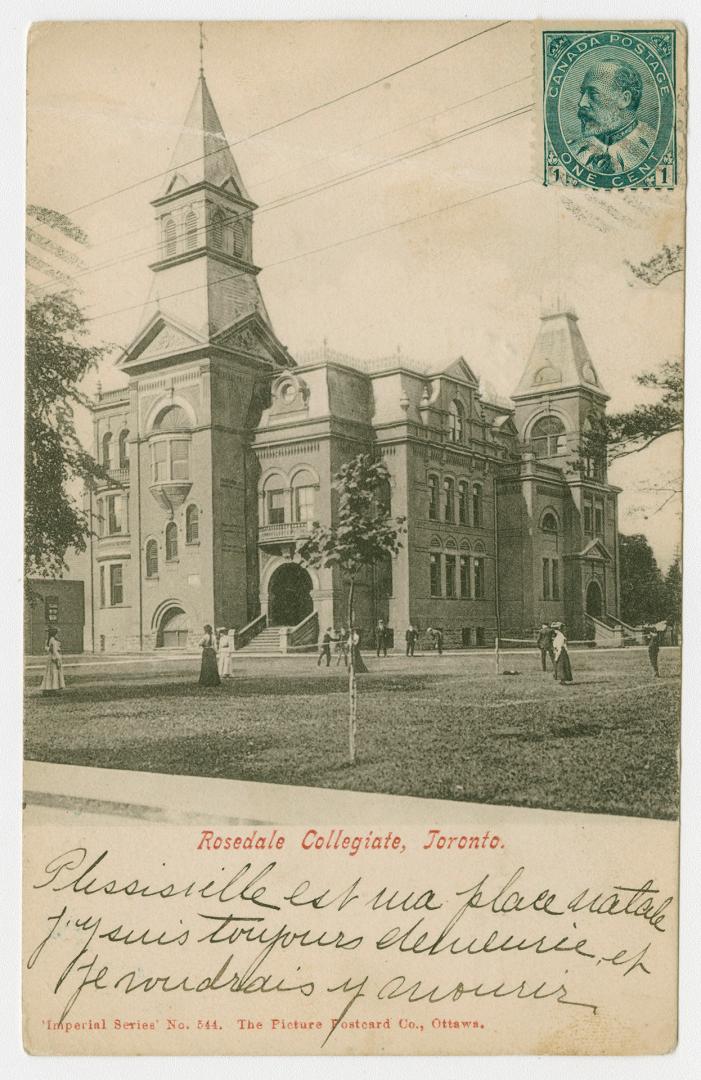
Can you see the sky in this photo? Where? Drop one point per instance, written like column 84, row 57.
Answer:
column 106, row 102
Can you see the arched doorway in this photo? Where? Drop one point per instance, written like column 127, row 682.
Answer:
column 595, row 604
column 173, row 629
column 289, row 595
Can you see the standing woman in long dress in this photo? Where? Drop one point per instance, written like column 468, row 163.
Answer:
column 563, row 669
column 209, row 673
column 53, row 679
column 359, row 664
column 224, row 653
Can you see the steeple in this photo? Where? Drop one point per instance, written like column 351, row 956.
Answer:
column 202, row 154
column 205, row 277
column 559, row 360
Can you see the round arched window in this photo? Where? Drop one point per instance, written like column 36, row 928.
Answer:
column 547, row 436
column 549, row 522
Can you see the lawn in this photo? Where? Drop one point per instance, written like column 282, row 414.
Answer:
column 443, row 728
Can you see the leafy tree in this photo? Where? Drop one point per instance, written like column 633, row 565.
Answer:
column 57, row 359
column 643, row 592
column 364, row 534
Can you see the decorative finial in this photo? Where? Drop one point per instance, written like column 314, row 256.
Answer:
column 202, row 41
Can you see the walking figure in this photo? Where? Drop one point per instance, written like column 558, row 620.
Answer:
column 436, row 637
column 209, row 672
column 545, row 644
column 412, row 636
column 653, row 648
column 224, row 653
column 563, row 669
column 53, row 679
column 381, row 637
column 325, row 647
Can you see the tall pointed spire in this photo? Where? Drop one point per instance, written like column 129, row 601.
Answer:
column 202, row 153
column 559, row 359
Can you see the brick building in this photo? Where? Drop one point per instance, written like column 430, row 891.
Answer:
column 222, row 448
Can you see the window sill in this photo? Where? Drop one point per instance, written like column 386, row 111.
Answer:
column 192, row 543
column 172, row 562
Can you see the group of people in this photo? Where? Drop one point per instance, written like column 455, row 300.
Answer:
column 552, row 643
column 216, row 656
column 342, row 641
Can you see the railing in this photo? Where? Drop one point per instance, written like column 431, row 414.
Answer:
column 303, row 635
column 635, row 632
column 283, row 530
column 113, row 395
column 605, row 636
column 117, row 477
column 248, row 632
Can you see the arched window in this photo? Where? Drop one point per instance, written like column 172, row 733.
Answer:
column 170, row 237
column 463, row 501
column 124, row 449
column 456, row 422
column 237, row 236
column 449, row 499
column 107, row 450
column 151, row 559
column 547, row 436
column 275, row 500
column 217, row 229
column 433, row 498
column 173, row 418
column 304, row 498
column 477, row 514
column 451, row 568
column 549, row 522
column 170, row 457
column 435, row 571
column 171, row 541
column 190, row 230
column 192, row 524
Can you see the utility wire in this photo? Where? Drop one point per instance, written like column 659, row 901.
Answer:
column 290, row 119
column 304, row 193
column 325, row 247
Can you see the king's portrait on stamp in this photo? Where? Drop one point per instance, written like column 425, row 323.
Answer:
column 609, row 108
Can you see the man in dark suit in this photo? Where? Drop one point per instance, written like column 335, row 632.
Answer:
column 381, row 637
column 545, row 644
column 412, row 636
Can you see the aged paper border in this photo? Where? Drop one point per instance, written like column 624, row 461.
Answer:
column 15, row 22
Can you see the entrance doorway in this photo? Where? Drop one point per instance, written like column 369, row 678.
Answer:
column 289, row 595
column 595, row 603
column 173, row 630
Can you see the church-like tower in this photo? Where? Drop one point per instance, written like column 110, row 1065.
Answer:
column 558, row 535
column 199, row 374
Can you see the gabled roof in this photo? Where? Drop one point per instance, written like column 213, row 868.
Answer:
column 559, row 359
column 202, row 152
column 460, row 369
column 161, row 336
column 595, row 549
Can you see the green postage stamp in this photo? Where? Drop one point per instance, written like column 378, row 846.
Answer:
column 609, row 108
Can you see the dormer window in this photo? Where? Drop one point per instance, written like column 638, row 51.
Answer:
column 456, row 422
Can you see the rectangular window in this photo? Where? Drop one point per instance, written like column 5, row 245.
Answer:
column 479, row 579
column 159, row 461
column 51, row 610
column 450, row 576
column 180, row 459
column 546, row 579
column 556, row 580
column 116, row 585
column 462, row 502
column 304, row 504
column 433, row 498
column 465, row 576
column 114, row 514
column 466, row 637
column 276, row 507
column 102, row 586
column 588, row 519
column 479, row 635
column 449, row 500
column 435, row 575
column 599, row 519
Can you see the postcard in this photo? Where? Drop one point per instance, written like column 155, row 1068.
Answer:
column 354, row 398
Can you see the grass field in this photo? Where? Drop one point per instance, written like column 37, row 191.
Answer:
column 445, row 728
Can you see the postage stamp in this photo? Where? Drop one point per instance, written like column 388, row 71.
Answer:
column 609, row 108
